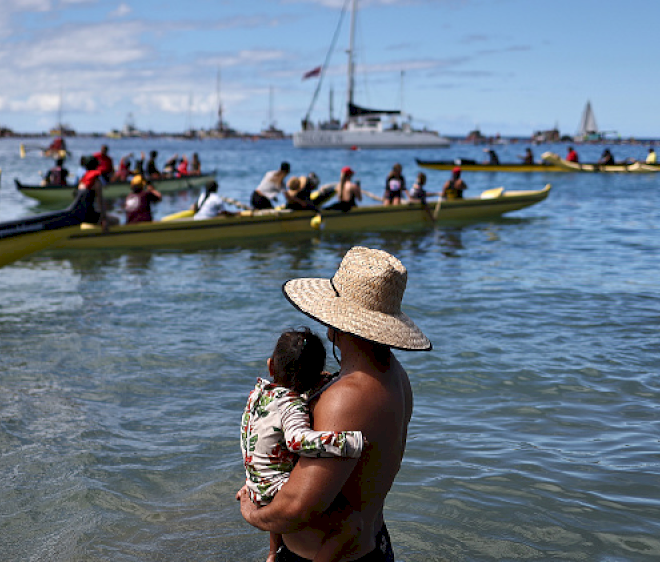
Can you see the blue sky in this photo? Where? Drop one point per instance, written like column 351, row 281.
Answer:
column 505, row 66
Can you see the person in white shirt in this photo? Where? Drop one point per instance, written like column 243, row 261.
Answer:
column 210, row 204
column 270, row 187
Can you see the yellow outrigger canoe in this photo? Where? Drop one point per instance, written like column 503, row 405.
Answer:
column 474, row 166
column 184, row 232
column 634, row 167
column 21, row 237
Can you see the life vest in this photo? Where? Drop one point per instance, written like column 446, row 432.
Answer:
column 451, row 192
column 89, row 178
column 56, row 177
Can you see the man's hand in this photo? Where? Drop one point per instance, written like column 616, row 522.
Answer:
column 248, row 508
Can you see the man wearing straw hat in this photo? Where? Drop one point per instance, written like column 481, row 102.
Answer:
column 361, row 306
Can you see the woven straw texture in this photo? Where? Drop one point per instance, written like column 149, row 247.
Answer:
column 363, row 299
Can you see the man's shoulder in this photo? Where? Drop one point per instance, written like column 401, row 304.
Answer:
column 341, row 394
column 350, row 394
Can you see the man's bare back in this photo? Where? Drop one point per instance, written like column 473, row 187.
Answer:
column 377, row 400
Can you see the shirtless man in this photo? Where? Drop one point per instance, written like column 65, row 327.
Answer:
column 361, row 306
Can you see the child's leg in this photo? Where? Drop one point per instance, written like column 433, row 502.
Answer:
column 275, row 543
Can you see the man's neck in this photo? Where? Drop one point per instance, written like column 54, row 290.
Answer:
column 359, row 354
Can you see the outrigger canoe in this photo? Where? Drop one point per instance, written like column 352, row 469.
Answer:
column 474, row 166
column 62, row 194
column 634, row 167
column 271, row 223
column 19, row 238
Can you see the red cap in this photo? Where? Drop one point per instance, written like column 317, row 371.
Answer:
column 346, row 171
column 457, row 170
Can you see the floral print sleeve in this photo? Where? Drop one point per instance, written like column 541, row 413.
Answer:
column 303, row 440
column 275, row 429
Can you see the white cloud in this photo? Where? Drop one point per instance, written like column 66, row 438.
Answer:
column 37, row 102
column 99, row 44
column 121, row 11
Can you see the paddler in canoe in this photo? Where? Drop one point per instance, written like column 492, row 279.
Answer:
column 299, row 192
column 348, row 192
column 454, row 187
column 92, row 184
column 270, row 187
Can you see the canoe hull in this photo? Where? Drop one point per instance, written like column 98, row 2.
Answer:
column 13, row 249
column 471, row 166
column 632, row 168
column 62, row 195
column 21, row 237
column 395, row 139
column 262, row 224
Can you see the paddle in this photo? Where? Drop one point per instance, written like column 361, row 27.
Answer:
column 23, row 149
column 189, row 213
column 372, row 195
column 57, row 154
column 436, row 212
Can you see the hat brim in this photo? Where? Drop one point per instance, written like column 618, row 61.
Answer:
column 317, row 299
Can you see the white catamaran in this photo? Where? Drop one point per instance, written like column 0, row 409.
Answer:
column 364, row 127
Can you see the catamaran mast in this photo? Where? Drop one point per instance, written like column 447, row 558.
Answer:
column 271, row 122
column 221, row 124
column 332, row 105
column 351, row 69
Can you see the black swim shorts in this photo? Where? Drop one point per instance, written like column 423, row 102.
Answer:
column 382, row 553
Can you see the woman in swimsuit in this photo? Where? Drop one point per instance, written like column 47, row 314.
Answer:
column 348, row 192
column 395, row 185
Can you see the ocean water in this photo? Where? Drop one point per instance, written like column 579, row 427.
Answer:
column 535, row 434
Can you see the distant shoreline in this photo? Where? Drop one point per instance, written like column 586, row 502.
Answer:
column 209, row 135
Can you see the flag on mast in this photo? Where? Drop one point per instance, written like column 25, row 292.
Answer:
column 314, row 72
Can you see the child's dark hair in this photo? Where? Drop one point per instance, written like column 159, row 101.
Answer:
column 298, row 360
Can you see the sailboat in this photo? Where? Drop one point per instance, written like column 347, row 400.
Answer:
column 221, row 129
column 271, row 132
column 588, row 130
column 364, row 127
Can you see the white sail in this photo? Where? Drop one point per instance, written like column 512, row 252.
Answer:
column 588, row 122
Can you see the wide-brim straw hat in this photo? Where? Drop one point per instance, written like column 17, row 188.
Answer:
column 363, row 299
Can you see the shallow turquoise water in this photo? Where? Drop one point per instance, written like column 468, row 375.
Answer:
column 536, row 428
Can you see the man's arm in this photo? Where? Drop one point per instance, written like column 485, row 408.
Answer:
column 311, row 489
column 314, row 482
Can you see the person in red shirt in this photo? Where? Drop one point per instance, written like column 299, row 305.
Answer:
column 105, row 165
column 572, row 156
column 138, row 202
column 182, row 168
column 124, row 168
column 57, row 145
column 93, row 186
